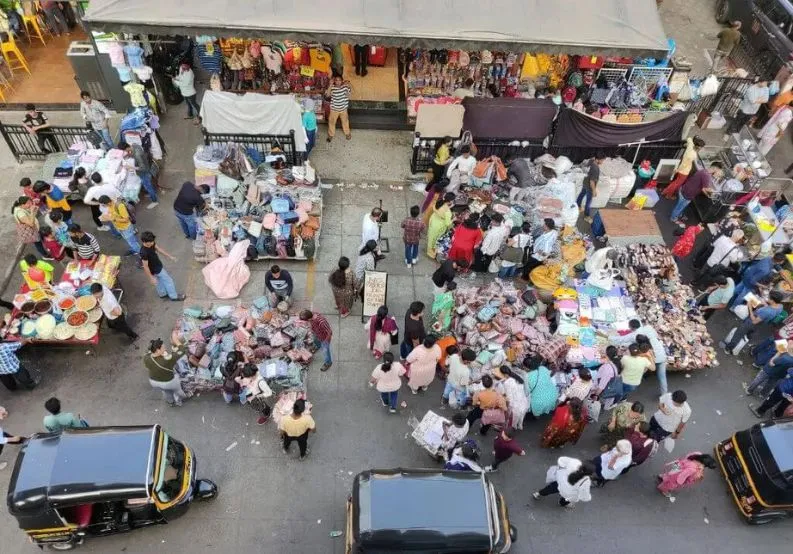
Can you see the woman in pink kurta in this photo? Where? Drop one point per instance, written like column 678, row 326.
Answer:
column 684, row 472
column 423, row 360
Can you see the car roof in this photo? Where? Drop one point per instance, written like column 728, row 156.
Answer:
column 79, row 465
column 422, row 507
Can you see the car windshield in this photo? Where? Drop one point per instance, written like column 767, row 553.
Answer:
column 779, row 438
column 169, row 479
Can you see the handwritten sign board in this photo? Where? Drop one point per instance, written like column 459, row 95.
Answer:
column 375, row 290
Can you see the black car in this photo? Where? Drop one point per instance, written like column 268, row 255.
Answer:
column 758, row 466
column 425, row 510
column 767, row 27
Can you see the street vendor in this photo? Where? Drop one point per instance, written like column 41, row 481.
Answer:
column 519, row 175
column 35, row 272
column 698, row 182
column 602, row 258
column 161, row 366
column 278, row 283
column 544, row 247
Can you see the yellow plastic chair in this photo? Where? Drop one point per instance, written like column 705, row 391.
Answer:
column 33, row 21
column 10, row 47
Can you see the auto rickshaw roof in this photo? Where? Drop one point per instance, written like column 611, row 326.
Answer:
column 76, row 466
column 428, row 508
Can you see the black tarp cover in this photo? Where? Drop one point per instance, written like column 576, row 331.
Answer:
column 574, row 128
column 508, row 118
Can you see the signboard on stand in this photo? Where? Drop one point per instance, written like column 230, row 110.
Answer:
column 375, row 291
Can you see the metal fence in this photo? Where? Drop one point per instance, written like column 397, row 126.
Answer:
column 27, row 146
column 424, row 151
column 261, row 143
column 765, row 64
column 726, row 100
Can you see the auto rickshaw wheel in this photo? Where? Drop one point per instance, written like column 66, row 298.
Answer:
column 63, row 546
column 765, row 519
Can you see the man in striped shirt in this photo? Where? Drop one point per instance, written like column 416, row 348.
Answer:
column 339, row 94
column 322, row 334
column 87, row 245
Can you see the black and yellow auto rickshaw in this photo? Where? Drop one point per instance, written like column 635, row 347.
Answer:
column 101, row 481
column 758, row 466
column 426, row 510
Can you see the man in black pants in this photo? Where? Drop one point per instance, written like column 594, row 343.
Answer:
column 112, row 310
column 37, row 125
column 779, row 399
column 361, row 59
column 296, row 427
column 12, row 372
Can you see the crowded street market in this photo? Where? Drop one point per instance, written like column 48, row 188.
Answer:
column 590, row 244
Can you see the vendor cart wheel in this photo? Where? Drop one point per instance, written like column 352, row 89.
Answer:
column 722, row 11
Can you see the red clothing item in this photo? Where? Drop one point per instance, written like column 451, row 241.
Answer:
column 464, row 241
column 53, row 247
column 685, row 244
column 505, row 449
column 321, row 328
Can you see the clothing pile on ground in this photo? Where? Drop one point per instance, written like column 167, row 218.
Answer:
column 278, row 343
column 277, row 208
column 668, row 305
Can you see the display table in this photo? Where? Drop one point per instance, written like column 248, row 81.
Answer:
column 75, row 279
column 625, row 227
column 767, row 224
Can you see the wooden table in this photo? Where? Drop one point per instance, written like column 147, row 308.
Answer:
column 625, row 227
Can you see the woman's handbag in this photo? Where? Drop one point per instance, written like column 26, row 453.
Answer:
column 493, row 416
column 512, row 254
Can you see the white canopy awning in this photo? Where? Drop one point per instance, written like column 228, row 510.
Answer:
column 607, row 27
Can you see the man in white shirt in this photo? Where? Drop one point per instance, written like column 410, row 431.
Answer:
column 672, row 415
column 464, row 165
column 493, row 241
column 91, row 198
column 602, row 258
column 659, row 351
column 112, row 310
column 370, row 228
column 726, row 250
column 754, row 97
column 459, row 376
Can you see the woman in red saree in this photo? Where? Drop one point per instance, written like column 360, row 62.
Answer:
column 465, row 239
column 566, row 426
column 685, row 244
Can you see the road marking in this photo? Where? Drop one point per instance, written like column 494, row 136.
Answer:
column 310, row 275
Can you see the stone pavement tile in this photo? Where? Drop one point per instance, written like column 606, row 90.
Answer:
column 354, row 375
column 352, row 340
column 289, row 535
column 311, row 490
column 369, row 156
column 332, row 222
column 371, row 196
column 333, row 196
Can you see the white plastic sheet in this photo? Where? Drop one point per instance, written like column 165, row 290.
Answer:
column 253, row 114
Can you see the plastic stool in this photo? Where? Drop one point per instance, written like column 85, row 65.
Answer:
column 33, row 21
column 10, row 47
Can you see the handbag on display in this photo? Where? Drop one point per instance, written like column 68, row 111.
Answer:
column 280, row 204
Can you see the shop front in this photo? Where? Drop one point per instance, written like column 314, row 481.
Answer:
column 396, row 56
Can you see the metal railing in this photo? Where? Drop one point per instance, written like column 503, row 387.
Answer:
column 261, row 143
column 765, row 64
column 27, row 146
column 424, row 151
